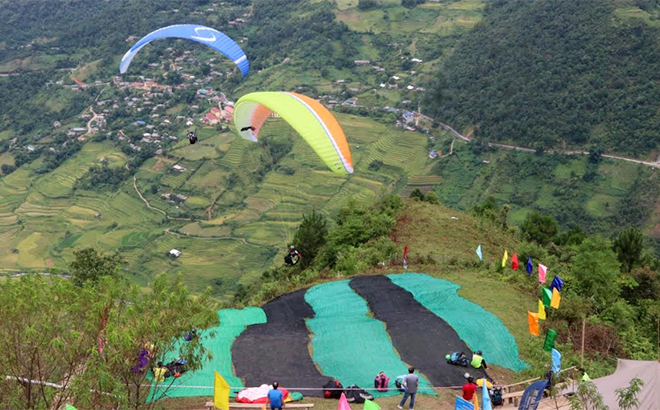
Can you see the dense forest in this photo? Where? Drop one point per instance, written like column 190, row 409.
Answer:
column 542, row 73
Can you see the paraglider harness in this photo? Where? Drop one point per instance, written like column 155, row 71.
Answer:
column 192, row 137
column 458, row 359
column 332, row 394
column 176, row 368
column 293, row 257
column 355, row 394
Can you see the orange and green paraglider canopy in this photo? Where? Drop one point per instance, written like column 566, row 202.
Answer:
column 307, row 116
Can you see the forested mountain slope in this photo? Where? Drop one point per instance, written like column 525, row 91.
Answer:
column 540, row 73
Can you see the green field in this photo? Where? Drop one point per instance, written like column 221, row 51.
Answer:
column 238, row 231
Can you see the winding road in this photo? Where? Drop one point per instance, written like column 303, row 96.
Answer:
column 460, row 136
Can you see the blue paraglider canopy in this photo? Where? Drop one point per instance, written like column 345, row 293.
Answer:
column 201, row 34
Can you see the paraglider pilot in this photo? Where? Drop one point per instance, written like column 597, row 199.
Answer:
column 293, row 257
column 192, row 137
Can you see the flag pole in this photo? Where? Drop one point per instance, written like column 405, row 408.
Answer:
column 582, row 353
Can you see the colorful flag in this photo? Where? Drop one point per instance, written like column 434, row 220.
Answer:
column 550, row 338
column 557, row 283
column 541, row 313
column 220, row 393
column 542, row 271
column 481, row 258
column 343, row 403
column 556, row 298
column 405, row 258
column 556, row 361
column 462, row 404
column 532, row 395
column 485, row 397
column 514, row 261
column 370, row 405
column 547, row 297
column 505, row 258
column 530, row 267
column 533, row 320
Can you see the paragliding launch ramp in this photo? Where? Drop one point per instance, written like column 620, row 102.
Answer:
column 351, row 330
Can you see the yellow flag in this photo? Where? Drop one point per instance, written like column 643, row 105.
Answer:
column 476, row 401
column 220, row 393
column 541, row 311
column 556, row 298
column 505, row 258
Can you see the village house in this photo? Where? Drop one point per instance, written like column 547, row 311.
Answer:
column 179, row 168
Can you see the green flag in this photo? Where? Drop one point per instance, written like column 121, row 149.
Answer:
column 547, row 297
column 550, row 340
column 70, row 407
column 370, row 405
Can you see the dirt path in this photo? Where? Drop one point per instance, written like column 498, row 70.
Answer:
column 227, row 238
column 152, row 207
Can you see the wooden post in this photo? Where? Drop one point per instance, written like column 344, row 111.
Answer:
column 583, row 331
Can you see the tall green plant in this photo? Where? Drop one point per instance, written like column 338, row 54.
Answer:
column 627, row 396
column 629, row 248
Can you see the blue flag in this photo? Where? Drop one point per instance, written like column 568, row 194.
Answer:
column 462, row 404
column 557, row 283
column 556, row 361
column 530, row 267
column 532, row 396
column 485, row 397
column 481, row 258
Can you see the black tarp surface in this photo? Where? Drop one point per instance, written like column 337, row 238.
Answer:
column 421, row 338
column 278, row 350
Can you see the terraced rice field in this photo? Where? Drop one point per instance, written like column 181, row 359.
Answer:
column 46, row 218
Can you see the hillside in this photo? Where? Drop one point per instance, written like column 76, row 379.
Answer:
column 543, row 74
column 240, row 206
column 78, row 170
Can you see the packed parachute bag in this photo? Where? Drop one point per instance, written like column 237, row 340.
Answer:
column 497, row 399
column 457, row 359
column 355, row 394
column 333, row 394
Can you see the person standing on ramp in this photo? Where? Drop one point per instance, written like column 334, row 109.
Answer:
column 410, row 383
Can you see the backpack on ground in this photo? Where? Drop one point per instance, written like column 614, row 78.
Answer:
column 497, row 399
column 355, row 394
column 332, row 394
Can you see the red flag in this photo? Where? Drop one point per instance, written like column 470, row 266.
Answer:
column 514, row 261
column 405, row 258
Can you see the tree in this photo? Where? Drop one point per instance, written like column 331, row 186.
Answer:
column 7, row 169
column 43, row 337
column 627, row 396
column 539, row 228
column 596, row 270
column 90, row 266
column 310, row 237
column 85, row 340
column 587, row 397
column 629, row 247
column 431, row 198
column 367, row 4
column 646, row 285
column 417, row 195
